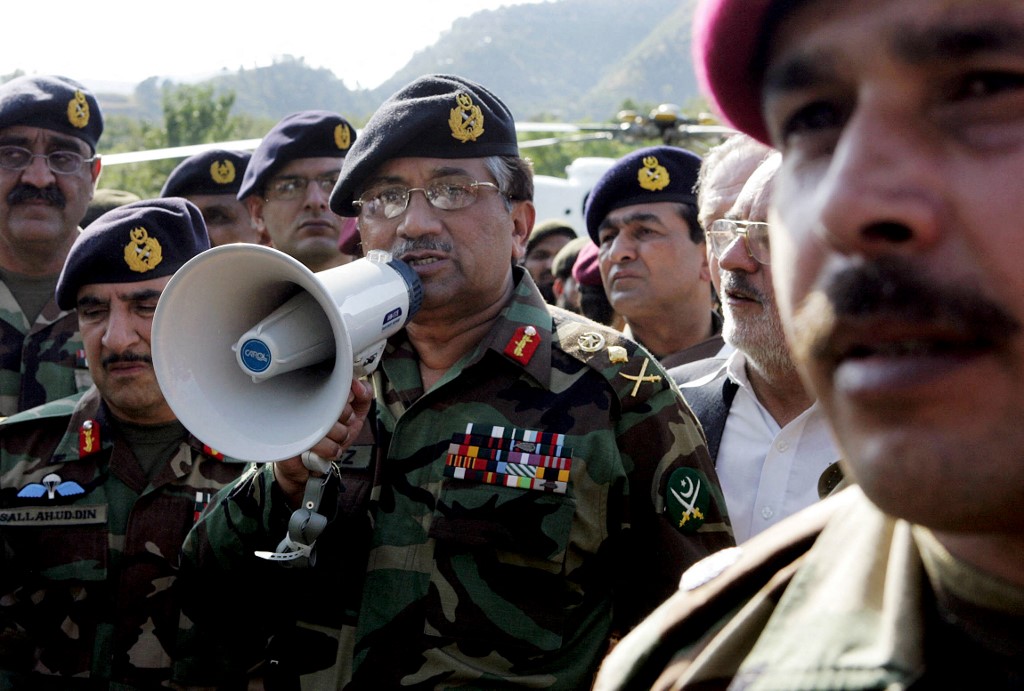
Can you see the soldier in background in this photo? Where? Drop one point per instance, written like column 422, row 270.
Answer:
column 545, row 240
column 98, row 490
column 211, row 181
column 642, row 215
column 533, row 485
column 49, row 128
column 288, row 182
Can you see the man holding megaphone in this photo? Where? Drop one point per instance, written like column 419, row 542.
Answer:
column 526, row 486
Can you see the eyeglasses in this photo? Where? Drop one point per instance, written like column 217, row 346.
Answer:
column 447, row 195
column 60, row 162
column 294, row 186
column 724, row 232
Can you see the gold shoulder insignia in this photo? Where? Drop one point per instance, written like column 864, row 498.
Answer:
column 653, row 176
column 78, row 110
column 343, row 137
column 222, row 172
column 466, row 120
column 142, row 253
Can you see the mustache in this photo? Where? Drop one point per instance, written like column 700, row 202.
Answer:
column 896, row 289
column 739, row 282
column 24, row 193
column 419, row 245
column 126, row 357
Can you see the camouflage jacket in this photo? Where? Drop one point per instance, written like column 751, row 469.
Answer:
column 838, row 596
column 91, row 549
column 544, row 495
column 38, row 362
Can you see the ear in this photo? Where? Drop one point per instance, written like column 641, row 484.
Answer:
column 255, row 205
column 705, row 266
column 523, row 215
column 97, row 166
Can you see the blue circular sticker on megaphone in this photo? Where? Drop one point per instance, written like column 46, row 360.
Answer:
column 255, row 355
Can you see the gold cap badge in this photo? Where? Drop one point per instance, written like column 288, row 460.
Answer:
column 652, row 176
column 466, row 119
column 343, row 136
column 142, row 253
column 78, row 110
column 222, row 172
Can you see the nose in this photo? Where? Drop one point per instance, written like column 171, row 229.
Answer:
column 317, row 196
column 621, row 249
column 735, row 257
column 120, row 333
column 881, row 190
column 419, row 217
column 38, row 173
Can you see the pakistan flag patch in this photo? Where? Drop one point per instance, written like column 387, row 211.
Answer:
column 687, row 499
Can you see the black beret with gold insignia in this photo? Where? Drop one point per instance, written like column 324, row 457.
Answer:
column 306, row 134
column 52, row 103
column 217, row 171
column 435, row 116
column 135, row 242
column 645, row 176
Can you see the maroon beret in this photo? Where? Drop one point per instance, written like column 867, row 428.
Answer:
column 729, row 37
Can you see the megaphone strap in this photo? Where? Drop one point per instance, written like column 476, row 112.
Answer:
column 304, row 527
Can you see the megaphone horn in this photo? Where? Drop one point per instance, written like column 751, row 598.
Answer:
column 255, row 353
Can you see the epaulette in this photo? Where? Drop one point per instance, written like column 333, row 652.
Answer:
column 61, row 407
column 627, row 365
column 596, row 345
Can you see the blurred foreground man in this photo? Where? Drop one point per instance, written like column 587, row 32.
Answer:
column 896, row 254
column 97, row 491
column 49, row 129
column 533, row 485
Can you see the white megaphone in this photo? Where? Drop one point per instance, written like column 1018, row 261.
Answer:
column 255, row 353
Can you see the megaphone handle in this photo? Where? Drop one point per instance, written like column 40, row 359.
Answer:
column 304, row 527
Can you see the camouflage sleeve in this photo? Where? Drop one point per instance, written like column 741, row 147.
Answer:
column 225, row 623
column 675, row 513
column 239, row 612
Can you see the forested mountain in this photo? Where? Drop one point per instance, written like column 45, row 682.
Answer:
column 577, row 60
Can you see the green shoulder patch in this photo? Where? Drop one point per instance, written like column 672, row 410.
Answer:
column 687, row 499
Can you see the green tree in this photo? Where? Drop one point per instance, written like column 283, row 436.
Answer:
column 192, row 114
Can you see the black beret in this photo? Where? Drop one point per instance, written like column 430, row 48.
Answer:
column 52, row 103
column 212, row 172
column 645, row 176
column 306, row 134
column 436, row 116
column 134, row 242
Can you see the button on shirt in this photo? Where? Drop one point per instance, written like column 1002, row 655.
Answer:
column 768, row 472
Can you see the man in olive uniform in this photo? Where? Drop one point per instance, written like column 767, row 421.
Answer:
column 49, row 128
column 98, row 490
column 895, row 246
column 534, row 483
column 642, row 215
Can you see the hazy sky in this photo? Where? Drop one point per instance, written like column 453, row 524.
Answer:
column 104, row 41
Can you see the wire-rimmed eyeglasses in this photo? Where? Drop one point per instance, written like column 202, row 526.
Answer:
column 449, row 194
column 724, row 232
column 60, row 162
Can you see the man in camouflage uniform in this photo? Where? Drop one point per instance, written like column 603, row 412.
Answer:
column 98, row 490
column 49, row 127
column 530, row 485
column 895, row 245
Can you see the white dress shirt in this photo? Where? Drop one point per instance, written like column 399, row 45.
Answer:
column 768, row 472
